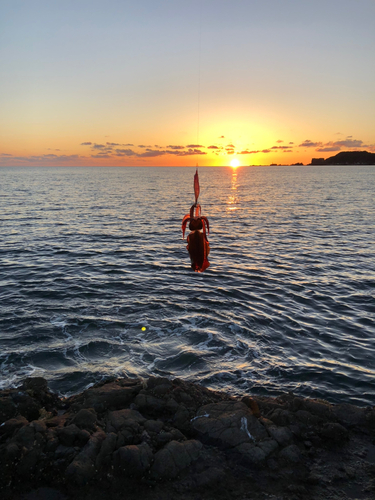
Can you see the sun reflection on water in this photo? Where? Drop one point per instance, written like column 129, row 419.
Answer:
column 233, row 198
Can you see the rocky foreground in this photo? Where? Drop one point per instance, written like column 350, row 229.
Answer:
column 163, row 439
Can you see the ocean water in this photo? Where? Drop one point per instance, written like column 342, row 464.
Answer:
column 95, row 279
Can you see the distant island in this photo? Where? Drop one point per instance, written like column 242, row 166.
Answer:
column 347, row 158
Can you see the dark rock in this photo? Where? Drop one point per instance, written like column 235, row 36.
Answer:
column 163, row 438
column 153, row 383
column 25, row 436
column 121, row 419
column 153, row 426
column 12, row 452
column 181, row 418
column 8, row 409
column 10, row 426
column 210, row 476
column 111, row 396
column 228, row 423
column 307, row 418
column 85, row 419
column 39, row 426
column 282, row 435
column 252, row 404
column 162, row 389
column 268, row 446
column 38, row 385
column 251, row 454
column 335, row 432
column 28, row 462
column 320, row 408
column 150, row 404
column 349, row 415
column 133, row 460
column 82, row 437
column 108, row 447
column 65, row 452
column 281, row 417
column 26, row 405
column 68, row 435
column 291, row 453
column 82, row 468
column 174, row 458
column 45, row 494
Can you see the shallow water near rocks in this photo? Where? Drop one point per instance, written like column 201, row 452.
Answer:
column 95, row 278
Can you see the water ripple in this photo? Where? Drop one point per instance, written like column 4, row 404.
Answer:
column 95, row 280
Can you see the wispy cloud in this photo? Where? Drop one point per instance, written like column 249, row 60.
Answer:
column 310, row 144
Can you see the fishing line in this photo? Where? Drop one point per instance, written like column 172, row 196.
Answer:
column 199, row 69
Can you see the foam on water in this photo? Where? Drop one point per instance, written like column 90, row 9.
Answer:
column 95, row 279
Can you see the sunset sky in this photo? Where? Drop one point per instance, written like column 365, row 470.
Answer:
column 180, row 82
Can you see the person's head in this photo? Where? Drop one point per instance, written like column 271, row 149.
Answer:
column 195, row 225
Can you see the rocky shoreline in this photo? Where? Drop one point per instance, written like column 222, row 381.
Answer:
column 162, row 439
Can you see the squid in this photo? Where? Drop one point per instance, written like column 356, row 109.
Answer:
column 197, row 242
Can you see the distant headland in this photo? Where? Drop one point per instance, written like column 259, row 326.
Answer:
column 347, row 158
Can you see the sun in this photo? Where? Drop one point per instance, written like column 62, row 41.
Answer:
column 235, row 163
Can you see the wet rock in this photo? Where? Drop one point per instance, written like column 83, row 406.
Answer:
column 162, row 389
column 28, row 462
column 133, row 460
column 174, row 458
column 291, row 454
column 39, row 426
column 10, row 426
column 281, row 417
column 65, row 452
column 282, row 435
column 25, row 436
column 12, row 452
column 153, row 426
column 349, row 415
column 307, row 418
column 56, row 421
column 251, row 453
column 210, row 476
column 149, row 404
column 121, row 419
column 320, row 408
column 163, row 438
column 159, row 384
column 82, row 437
column 82, row 468
column 111, row 396
column 268, row 446
column 26, row 405
column 228, row 423
column 45, row 494
column 38, row 386
column 181, row 418
column 68, row 435
column 252, row 404
column 108, row 447
column 85, row 419
column 334, row 432
column 8, row 409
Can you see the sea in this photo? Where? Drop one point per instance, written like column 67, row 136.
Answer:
column 95, row 279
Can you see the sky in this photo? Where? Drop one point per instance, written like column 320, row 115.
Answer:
column 185, row 82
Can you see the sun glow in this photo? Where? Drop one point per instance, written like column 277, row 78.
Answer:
column 235, row 163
